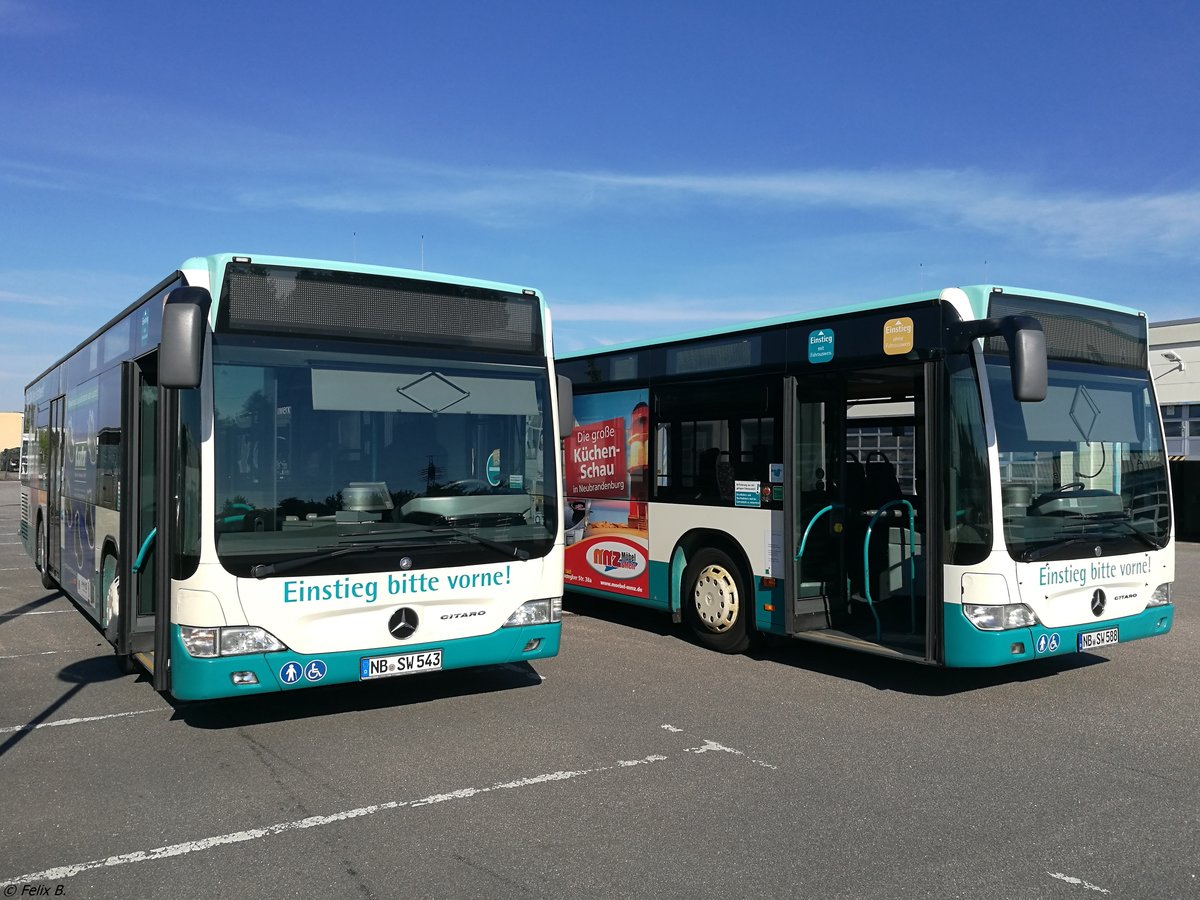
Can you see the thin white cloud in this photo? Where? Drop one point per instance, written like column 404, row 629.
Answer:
column 236, row 167
column 1086, row 224
column 664, row 311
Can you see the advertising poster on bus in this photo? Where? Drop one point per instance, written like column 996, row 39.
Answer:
column 606, row 459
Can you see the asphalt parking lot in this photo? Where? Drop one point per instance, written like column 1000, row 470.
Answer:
column 635, row 764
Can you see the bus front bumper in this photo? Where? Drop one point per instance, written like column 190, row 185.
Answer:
column 195, row 678
column 968, row 647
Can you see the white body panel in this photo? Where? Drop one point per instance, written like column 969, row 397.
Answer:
column 759, row 531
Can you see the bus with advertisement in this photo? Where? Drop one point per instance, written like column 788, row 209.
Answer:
column 966, row 478
column 271, row 473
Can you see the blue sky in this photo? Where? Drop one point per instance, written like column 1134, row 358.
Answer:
column 652, row 167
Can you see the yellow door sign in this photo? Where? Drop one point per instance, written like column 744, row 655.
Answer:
column 897, row 336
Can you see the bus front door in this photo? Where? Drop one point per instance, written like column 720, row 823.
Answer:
column 857, row 509
column 144, row 588
column 817, row 516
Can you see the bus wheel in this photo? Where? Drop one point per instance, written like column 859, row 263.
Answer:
column 715, row 604
column 110, row 584
column 39, row 554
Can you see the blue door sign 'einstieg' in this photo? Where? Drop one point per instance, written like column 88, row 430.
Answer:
column 820, row 345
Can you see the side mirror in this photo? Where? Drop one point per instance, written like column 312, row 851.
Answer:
column 566, row 406
column 1026, row 350
column 1026, row 357
column 184, row 317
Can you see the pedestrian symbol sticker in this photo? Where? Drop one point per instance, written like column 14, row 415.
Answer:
column 290, row 673
column 315, row 670
column 1048, row 643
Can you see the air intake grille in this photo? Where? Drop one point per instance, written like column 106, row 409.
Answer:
column 1077, row 333
column 278, row 300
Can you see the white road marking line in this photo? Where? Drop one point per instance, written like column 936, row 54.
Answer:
column 713, row 745
column 28, row 655
column 1070, row 879
column 35, row 612
column 253, row 834
column 10, row 729
column 626, row 763
column 672, row 729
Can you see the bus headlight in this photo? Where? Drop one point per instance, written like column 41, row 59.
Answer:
column 200, row 642
column 235, row 640
column 999, row 618
column 1161, row 595
column 536, row 612
column 238, row 640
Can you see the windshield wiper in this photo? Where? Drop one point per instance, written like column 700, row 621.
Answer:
column 262, row 570
column 286, row 565
column 1145, row 538
column 498, row 546
column 439, row 530
column 1039, row 553
column 1123, row 519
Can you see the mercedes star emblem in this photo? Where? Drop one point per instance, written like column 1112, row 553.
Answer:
column 403, row 623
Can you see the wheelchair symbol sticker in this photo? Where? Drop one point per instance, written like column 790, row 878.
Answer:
column 1048, row 643
column 315, row 670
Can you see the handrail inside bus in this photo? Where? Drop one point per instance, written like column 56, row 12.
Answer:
column 912, row 578
column 811, row 523
column 145, row 550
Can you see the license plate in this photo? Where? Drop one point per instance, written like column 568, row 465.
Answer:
column 1090, row 640
column 401, row 664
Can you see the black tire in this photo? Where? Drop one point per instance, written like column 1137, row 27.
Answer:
column 39, row 557
column 716, row 603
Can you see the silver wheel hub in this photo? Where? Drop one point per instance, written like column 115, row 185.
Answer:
column 716, row 599
column 112, row 598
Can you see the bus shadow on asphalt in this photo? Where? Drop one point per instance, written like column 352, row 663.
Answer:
column 79, row 675
column 30, row 606
column 879, row 672
column 386, row 693
column 905, row 677
column 652, row 621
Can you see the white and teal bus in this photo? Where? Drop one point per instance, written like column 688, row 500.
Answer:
column 268, row 474
column 966, row 478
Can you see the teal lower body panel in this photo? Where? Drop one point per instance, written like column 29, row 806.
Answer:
column 206, row 679
column 968, row 647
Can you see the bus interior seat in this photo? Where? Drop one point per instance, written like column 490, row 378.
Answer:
column 725, row 480
column 882, row 485
column 855, row 492
column 707, row 485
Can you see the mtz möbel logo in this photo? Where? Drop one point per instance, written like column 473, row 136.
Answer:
column 616, row 559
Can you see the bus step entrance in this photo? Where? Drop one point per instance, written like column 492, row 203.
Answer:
column 145, row 660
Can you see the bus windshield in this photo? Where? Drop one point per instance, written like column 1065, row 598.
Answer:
column 1084, row 472
column 322, row 453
